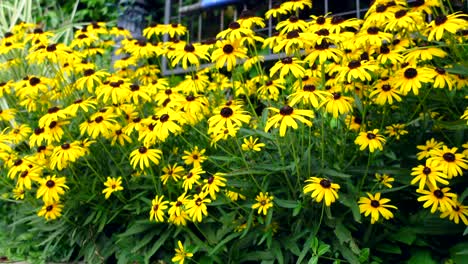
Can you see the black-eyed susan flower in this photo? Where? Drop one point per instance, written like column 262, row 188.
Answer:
column 429, row 175
column 54, row 132
column 291, row 24
column 438, row 198
column 100, row 123
column 83, row 104
column 425, row 149
column 18, row 193
column 51, row 210
column 337, row 104
column 270, row 90
column 64, row 154
column 117, row 90
column 388, row 55
column 323, row 52
column 174, row 172
column 322, row 189
column 443, row 79
column 51, row 188
column 230, row 115
column 416, row 55
column 384, row 179
column 356, row 70
column 112, row 185
column 91, row 79
column 295, row 5
column 181, row 254
column 213, row 184
column 445, row 23
column 158, row 206
column 192, row 178
column 26, row 177
column 375, row 206
column 288, row 65
column 459, row 211
column 142, row 156
column 370, row 139
column 426, row 6
column 194, row 157
column 405, row 20
column 234, row 32
column 396, row 130
column 308, row 95
column 190, row 54
column 177, row 207
column 385, row 93
column 227, row 53
column 234, row 196
column 286, row 117
column 264, row 203
column 174, row 30
column 452, row 162
column 411, row 79
column 250, row 144
column 196, row 207
column 247, row 19
column 275, row 11
column 353, row 122
column 53, row 114
column 372, row 36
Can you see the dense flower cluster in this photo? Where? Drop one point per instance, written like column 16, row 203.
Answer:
column 357, row 85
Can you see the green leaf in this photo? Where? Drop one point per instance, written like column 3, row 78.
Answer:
column 334, row 173
column 421, row 257
column 351, row 204
column 323, row 248
column 286, row 203
column 223, row 242
column 389, row 248
column 313, row 260
column 466, row 231
column 404, row 235
column 451, row 125
column 364, row 256
column 256, row 256
column 342, row 233
column 278, row 252
column 158, row 244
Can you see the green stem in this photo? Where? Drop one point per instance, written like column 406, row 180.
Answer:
column 363, row 179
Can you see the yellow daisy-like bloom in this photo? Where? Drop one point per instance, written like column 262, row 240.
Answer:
column 142, row 156
column 235, row 32
column 323, row 52
column 309, row 95
column 450, row 23
column 234, row 196
column 192, row 178
column 295, row 5
column 26, row 177
column 384, row 93
column 356, row 70
column 264, row 202
column 429, row 175
column 181, row 254
column 18, row 193
column 213, row 183
column 196, row 208
column 375, row 206
column 337, row 104
column 173, row 172
column 177, row 206
column 51, row 188
column 195, row 157
column 425, row 149
column 411, row 79
column 275, row 11
column 396, row 130
column 371, row 139
column 353, row 122
column 443, row 79
column 288, row 65
column 414, row 56
column 191, row 53
column 157, row 208
column 227, row 54
column 440, row 199
column 51, row 211
column 287, row 117
column 250, row 144
column 112, row 185
column 322, row 189
column 230, row 115
column 64, row 154
column 384, row 179
column 7, row 114
column 291, row 24
column 459, row 211
column 451, row 161
column 174, row 30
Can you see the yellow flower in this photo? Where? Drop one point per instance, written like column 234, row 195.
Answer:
column 459, row 211
column 452, row 162
column 230, row 116
column 18, row 193
column 322, row 189
column 213, row 183
column 196, row 208
column 113, row 185
column 173, row 172
column 337, row 104
column 64, row 154
column 439, row 199
column 181, row 254
column 288, row 65
column 157, row 208
column 425, row 149
column 143, row 155
column 227, row 54
column 429, row 175
column 191, row 53
column 411, row 79
column 51, row 188
column 375, row 206
column 396, row 130
column 286, row 117
column 264, row 202
column 51, row 210
column 371, row 139
column 384, row 179
column 251, row 144
column 195, row 157
column 441, row 24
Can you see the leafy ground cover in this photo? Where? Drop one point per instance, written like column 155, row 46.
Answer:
column 350, row 147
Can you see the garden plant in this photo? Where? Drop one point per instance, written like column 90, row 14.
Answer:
column 349, row 147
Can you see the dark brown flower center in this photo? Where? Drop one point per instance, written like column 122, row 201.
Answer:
column 226, row 112
column 439, row 194
column 287, row 60
column 34, row 81
column 426, row 170
column 18, row 162
column 38, row 131
column 263, row 202
column 49, row 208
column 51, row 47
column 309, row 87
column 440, row 70
column 286, row 110
column 357, row 120
column 210, row 180
column 228, row 49
column 337, row 20
column 155, row 207
column 24, row 174
column 293, row 19
column 320, row 20
column 381, row 8
column 371, row 136
column 384, row 49
column 440, row 20
column 50, row 184
column 386, row 87
column 373, row 31
column 322, row 32
column 134, row 87
column 65, row 146
column 325, row 183
column 449, row 157
column 164, row 118
column 375, row 203
column 322, row 46
column 189, row 47
column 354, row 64
column 410, row 73
column 99, row 119
column 292, row 34
column 142, row 150
column 336, row 96
column 52, row 124
column 400, row 13
column 234, row 25
column 190, row 98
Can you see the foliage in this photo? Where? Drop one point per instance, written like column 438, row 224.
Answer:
column 349, row 147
